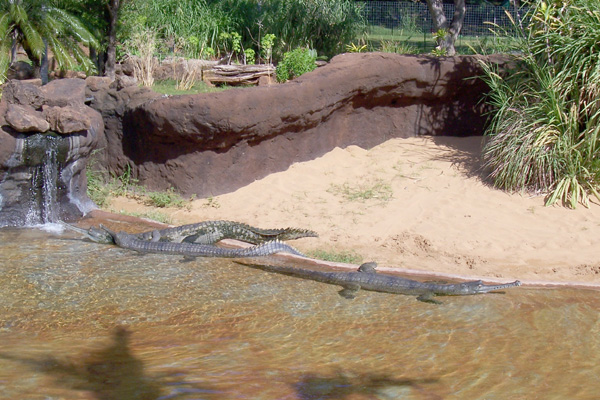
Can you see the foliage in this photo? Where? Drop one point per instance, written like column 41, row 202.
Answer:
column 167, row 198
column 400, row 47
column 182, row 27
column 101, row 188
column 142, row 46
column 35, row 24
column 440, row 36
column 266, row 47
column 230, row 43
column 190, row 28
column 439, row 52
column 295, row 63
column 356, row 48
column 324, row 25
column 153, row 215
column 249, row 56
column 349, row 257
column 174, row 87
column 188, row 78
column 545, row 130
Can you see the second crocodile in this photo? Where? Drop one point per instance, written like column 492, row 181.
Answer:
column 133, row 242
column 366, row 278
column 209, row 232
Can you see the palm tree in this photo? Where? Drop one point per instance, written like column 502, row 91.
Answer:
column 42, row 25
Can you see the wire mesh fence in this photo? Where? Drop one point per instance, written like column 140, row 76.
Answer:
column 410, row 18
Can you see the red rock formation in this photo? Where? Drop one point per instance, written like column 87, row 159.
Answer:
column 210, row 144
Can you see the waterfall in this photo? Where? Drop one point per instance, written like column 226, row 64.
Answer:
column 44, row 179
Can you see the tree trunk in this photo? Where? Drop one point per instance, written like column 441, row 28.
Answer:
column 94, row 58
column 13, row 48
column 44, row 63
column 111, row 51
column 446, row 41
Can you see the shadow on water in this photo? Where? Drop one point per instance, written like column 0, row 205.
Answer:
column 345, row 385
column 112, row 372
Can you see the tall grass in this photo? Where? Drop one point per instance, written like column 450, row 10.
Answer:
column 324, row 25
column 184, row 27
column 192, row 28
column 142, row 46
column 545, row 130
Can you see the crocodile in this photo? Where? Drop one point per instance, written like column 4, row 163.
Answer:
column 133, row 242
column 368, row 279
column 210, row 232
column 97, row 235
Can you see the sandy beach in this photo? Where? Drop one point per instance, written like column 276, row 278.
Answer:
column 418, row 204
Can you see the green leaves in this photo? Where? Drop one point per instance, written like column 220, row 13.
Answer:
column 545, row 127
column 31, row 22
column 295, row 63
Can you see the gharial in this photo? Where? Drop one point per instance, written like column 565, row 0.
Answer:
column 188, row 249
column 367, row 278
column 209, row 232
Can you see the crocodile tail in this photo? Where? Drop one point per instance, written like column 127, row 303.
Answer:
column 268, row 248
column 280, row 233
column 295, row 233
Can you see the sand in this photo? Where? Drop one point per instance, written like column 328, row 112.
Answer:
column 419, row 204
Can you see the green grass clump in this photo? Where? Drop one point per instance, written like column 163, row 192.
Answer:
column 545, row 130
column 169, row 87
column 167, row 198
column 348, row 257
column 152, row 215
column 101, row 187
column 376, row 190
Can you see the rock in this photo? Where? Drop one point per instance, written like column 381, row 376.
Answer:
column 209, row 144
column 26, row 119
column 66, row 120
column 20, row 70
column 123, row 81
column 177, row 67
column 62, row 74
column 266, row 81
column 15, row 92
column 95, row 83
column 34, row 81
column 25, row 154
column 64, row 92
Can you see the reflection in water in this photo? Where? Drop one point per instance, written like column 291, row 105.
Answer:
column 110, row 373
column 212, row 329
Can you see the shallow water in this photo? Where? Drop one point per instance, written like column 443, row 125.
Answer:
column 80, row 320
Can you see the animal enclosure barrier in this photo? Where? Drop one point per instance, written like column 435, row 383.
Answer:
column 395, row 19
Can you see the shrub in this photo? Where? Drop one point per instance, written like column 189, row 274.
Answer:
column 545, row 130
column 296, row 63
column 324, row 25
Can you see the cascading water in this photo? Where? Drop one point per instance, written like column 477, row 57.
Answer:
column 46, row 136
column 37, row 186
column 44, row 180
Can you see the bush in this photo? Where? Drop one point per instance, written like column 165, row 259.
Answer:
column 545, row 132
column 295, row 63
column 324, row 25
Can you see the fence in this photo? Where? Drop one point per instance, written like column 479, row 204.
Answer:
column 409, row 18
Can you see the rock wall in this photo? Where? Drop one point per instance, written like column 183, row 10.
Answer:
column 210, row 144
column 40, row 126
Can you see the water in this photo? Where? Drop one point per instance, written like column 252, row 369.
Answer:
column 81, row 320
column 44, row 179
column 32, row 191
